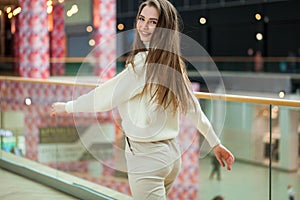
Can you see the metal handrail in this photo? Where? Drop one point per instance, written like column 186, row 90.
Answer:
column 247, row 99
column 199, row 95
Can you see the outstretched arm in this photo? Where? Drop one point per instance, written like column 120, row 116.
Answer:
column 199, row 119
column 108, row 95
column 223, row 155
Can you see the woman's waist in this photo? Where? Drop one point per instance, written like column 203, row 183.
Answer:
column 145, row 136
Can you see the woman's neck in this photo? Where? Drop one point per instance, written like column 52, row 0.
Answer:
column 147, row 44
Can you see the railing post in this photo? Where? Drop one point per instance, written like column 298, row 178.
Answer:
column 270, row 155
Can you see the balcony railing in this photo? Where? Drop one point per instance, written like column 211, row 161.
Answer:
column 263, row 134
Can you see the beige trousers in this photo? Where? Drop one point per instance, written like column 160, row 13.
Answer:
column 152, row 168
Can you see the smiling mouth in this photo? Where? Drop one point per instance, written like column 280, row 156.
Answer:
column 145, row 34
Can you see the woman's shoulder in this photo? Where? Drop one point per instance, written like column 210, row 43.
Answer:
column 138, row 62
column 140, row 57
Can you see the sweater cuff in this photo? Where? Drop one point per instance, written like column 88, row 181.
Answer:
column 212, row 138
column 69, row 107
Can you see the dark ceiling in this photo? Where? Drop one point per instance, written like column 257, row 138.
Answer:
column 4, row 3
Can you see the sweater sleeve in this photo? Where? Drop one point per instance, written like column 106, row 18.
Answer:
column 113, row 92
column 200, row 121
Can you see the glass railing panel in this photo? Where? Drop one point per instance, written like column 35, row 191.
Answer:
column 90, row 146
column 59, row 142
column 85, row 143
column 91, row 154
column 11, row 120
column 285, row 152
column 244, row 129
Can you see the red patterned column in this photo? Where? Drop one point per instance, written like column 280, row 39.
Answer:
column 16, row 42
column 34, row 39
column 104, row 16
column 58, row 40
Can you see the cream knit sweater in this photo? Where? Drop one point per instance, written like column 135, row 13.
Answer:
column 141, row 121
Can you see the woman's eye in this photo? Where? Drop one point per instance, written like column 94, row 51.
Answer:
column 141, row 19
column 153, row 22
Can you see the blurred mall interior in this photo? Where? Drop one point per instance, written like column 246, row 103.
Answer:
column 242, row 56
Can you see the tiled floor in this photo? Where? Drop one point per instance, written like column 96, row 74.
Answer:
column 246, row 182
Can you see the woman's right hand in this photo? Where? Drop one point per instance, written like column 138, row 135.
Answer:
column 222, row 154
column 58, row 108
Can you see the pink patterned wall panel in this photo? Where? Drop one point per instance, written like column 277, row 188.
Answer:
column 36, row 115
column 186, row 184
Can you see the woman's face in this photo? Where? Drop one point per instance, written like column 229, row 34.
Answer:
column 146, row 22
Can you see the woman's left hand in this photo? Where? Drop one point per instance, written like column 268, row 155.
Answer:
column 222, row 154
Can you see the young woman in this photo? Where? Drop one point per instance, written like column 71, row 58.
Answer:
column 151, row 93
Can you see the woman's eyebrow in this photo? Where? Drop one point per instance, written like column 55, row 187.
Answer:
column 153, row 18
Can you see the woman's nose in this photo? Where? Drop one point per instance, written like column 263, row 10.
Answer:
column 145, row 25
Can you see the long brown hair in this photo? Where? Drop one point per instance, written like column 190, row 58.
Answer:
column 166, row 76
